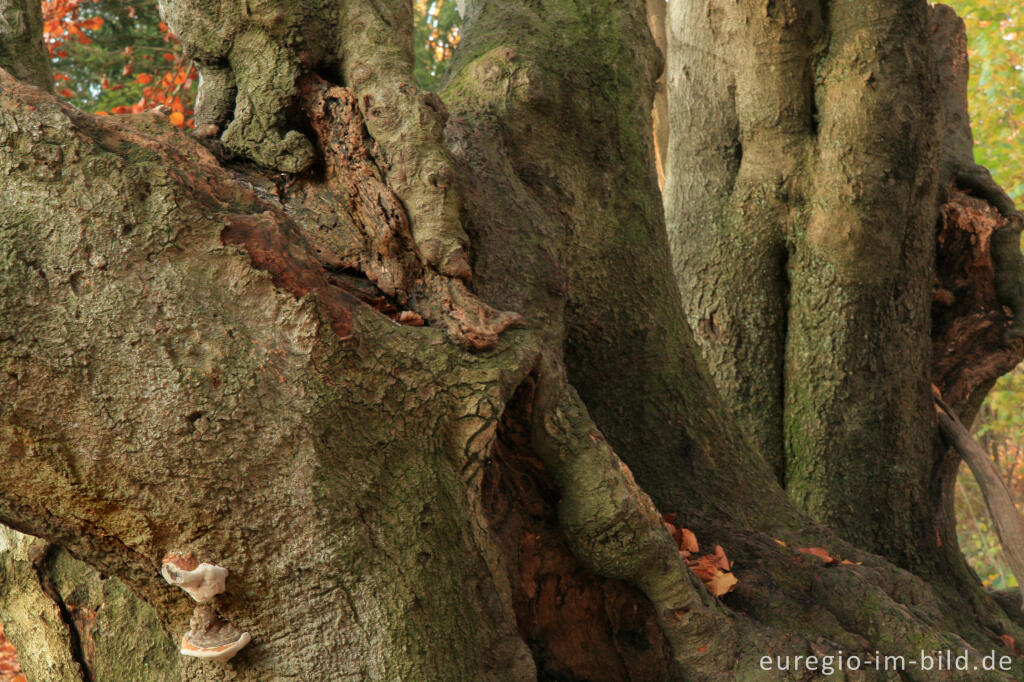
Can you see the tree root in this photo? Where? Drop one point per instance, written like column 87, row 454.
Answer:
column 848, row 611
column 613, row 526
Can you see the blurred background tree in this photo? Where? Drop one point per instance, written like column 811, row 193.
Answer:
column 437, row 36
column 995, row 33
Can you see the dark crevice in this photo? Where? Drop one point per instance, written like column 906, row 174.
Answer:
column 42, row 565
column 577, row 625
column 813, row 123
column 787, row 289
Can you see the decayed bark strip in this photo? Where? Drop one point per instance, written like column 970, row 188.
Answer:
column 656, row 10
column 373, row 235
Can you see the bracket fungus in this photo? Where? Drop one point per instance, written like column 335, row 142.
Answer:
column 202, row 581
column 212, row 638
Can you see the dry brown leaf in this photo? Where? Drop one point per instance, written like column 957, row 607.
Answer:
column 410, row 318
column 688, row 541
column 703, row 567
column 721, row 583
column 721, row 561
column 818, row 552
column 1010, row 643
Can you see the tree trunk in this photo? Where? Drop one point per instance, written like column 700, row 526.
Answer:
column 287, row 375
column 802, row 218
column 21, row 42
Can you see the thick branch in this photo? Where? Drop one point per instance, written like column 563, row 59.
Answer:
column 181, row 374
column 251, row 59
column 1005, row 516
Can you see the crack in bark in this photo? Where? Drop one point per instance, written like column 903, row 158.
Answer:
column 41, row 564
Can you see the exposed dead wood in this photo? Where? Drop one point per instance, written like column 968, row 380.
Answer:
column 972, row 345
column 577, row 625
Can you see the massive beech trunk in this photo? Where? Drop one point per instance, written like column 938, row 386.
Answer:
column 415, row 475
column 803, row 204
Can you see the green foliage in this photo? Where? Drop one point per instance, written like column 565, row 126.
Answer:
column 995, row 32
column 437, row 35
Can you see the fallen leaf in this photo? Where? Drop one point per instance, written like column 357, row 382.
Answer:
column 818, row 552
column 410, row 318
column 1010, row 643
column 703, row 567
column 721, row 583
column 688, row 541
column 721, row 561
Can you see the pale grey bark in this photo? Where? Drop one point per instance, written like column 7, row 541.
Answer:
column 801, row 204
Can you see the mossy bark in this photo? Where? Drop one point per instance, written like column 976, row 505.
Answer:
column 802, row 203
column 69, row 622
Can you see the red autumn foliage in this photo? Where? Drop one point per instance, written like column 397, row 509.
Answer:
column 10, row 670
column 63, row 21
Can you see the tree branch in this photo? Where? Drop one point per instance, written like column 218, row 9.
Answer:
column 1007, row 520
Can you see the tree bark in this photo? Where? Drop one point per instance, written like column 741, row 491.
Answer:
column 72, row 623
column 802, row 216
column 272, row 373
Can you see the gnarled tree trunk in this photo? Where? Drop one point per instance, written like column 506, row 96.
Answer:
column 414, row 474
